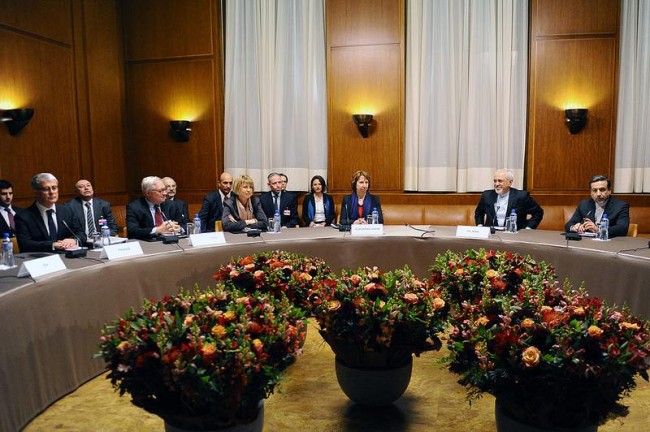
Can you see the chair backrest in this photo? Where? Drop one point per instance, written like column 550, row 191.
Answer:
column 632, row 230
column 17, row 249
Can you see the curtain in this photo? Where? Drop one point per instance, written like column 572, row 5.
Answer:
column 632, row 169
column 275, row 90
column 466, row 89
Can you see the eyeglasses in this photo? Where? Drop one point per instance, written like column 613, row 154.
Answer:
column 160, row 190
column 49, row 189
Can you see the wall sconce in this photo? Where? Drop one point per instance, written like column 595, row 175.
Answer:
column 16, row 119
column 180, row 130
column 576, row 119
column 363, row 122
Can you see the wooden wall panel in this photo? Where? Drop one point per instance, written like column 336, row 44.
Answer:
column 366, row 77
column 168, row 28
column 573, row 64
column 50, row 19
column 158, row 93
column 365, row 53
column 38, row 74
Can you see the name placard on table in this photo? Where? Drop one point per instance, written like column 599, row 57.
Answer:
column 122, row 250
column 207, row 239
column 366, row 230
column 472, row 231
column 41, row 266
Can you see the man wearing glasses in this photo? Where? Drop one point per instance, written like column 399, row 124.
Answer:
column 151, row 217
column 45, row 226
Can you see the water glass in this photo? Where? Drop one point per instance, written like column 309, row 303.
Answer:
column 369, row 219
column 189, row 228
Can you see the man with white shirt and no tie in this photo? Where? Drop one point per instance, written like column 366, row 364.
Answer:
column 7, row 211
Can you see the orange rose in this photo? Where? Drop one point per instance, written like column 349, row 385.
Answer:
column 188, row 320
column 334, row 305
column 528, row 323
column 438, row 303
column 208, row 349
column 305, row 277
column 258, row 346
column 580, row 311
column 249, row 267
column 234, row 273
column 229, row 316
column 531, row 357
column 410, row 298
column 594, row 331
column 258, row 275
column 356, row 279
column 218, row 331
column 123, row 346
column 491, row 273
column 482, row 320
column 629, row 326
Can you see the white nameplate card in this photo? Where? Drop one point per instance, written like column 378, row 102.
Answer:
column 366, row 230
column 207, row 239
column 122, row 250
column 472, row 231
column 41, row 266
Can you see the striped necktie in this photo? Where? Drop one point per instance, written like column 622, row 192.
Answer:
column 90, row 221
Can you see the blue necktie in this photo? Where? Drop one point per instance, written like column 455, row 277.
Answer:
column 51, row 225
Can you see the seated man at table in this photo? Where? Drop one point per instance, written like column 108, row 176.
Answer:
column 7, row 210
column 170, row 184
column 277, row 199
column 151, row 217
column 589, row 211
column 45, row 226
column 89, row 209
column 496, row 205
column 212, row 207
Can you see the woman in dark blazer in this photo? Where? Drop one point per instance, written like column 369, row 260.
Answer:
column 318, row 207
column 356, row 207
column 242, row 211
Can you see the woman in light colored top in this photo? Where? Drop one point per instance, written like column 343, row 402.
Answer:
column 356, row 207
column 318, row 207
column 242, row 211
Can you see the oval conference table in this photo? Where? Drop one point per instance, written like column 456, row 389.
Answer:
column 50, row 327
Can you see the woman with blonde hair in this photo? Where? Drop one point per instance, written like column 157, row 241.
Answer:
column 242, row 211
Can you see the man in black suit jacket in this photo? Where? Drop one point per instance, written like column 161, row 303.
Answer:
column 7, row 211
column 98, row 208
column 589, row 212
column 496, row 205
column 45, row 226
column 151, row 217
column 170, row 184
column 288, row 203
column 212, row 207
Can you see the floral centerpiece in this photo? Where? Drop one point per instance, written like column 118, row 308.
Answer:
column 376, row 319
column 553, row 356
column 203, row 359
column 296, row 275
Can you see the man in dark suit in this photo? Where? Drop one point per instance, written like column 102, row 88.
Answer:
column 277, row 199
column 589, row 212
column 170, row 184
column 151, row 217
column 89, row 209
column 7, row 211
column 45, row 226
column 496, row 205
column 212, row 207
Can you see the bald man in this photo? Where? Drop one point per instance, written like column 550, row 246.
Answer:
column 90, row 209
column 212, row 207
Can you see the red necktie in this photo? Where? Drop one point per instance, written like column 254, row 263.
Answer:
column 158, row 218
column 12, row 224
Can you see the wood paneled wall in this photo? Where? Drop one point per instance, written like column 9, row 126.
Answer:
column 174, row 72
column 62, row 58
column 365, row 57
column 573, row 64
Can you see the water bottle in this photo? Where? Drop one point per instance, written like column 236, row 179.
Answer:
column 197, row 224
column 512, row 226
column 276, row 222
column 106, row 234
column 603, row 228
column 375, row 216
column 7, row 251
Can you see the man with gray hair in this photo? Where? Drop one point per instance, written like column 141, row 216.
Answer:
column 496, row 204
column 151, row 217
column 280, row 200
column 45, row 226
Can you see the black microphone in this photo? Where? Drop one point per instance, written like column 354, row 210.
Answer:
column 77, row 253
column 424, row 231
column 495, row 221
column 634, row 250
column 345, row 224
column 168, row 238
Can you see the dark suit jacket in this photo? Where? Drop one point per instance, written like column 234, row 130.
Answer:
column 31, row 231
column 211, row 211
column 139, row 221
column 4, row 226
column 618, row 213
column 288, row 204
column 519, row 200
column 230, row 208
column 309, row 209
column 350, row 209
column 184, row 210
column 100, row 208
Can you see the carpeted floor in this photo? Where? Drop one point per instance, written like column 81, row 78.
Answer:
column 310, row 400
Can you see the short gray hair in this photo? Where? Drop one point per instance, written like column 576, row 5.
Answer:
column 509, row 175
column 40, row 177
column 149, row 182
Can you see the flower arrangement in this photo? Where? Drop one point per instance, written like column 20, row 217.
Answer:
column 374, row 319
column 296, row 275
column 203, row 359
column 553, row 356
